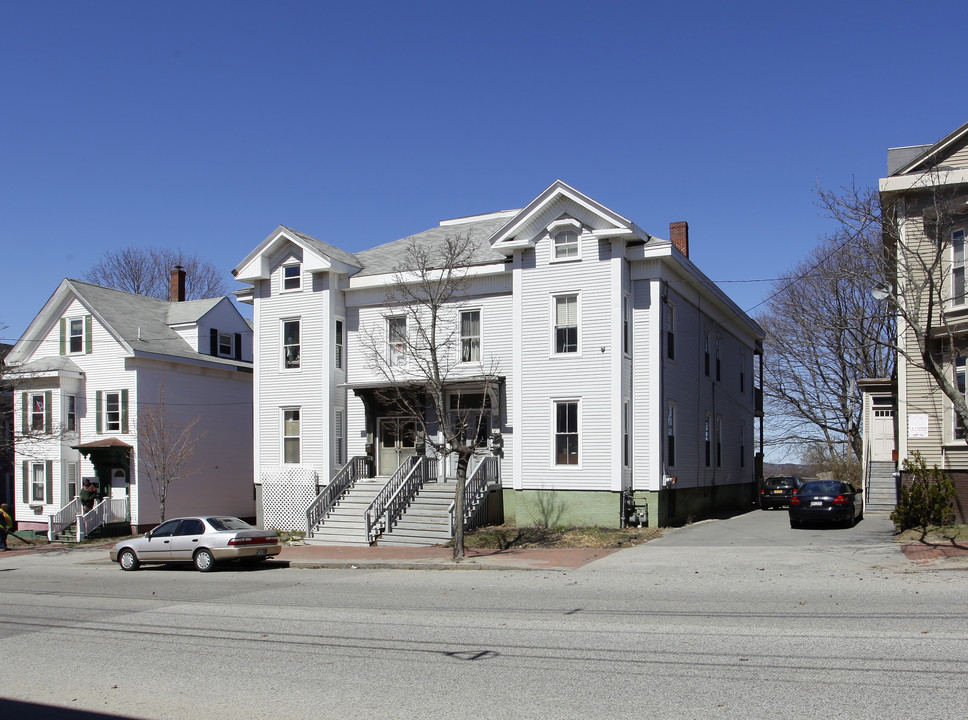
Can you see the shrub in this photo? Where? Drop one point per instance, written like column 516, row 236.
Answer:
column 928, row 499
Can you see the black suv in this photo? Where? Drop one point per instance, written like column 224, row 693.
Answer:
column 778, row 489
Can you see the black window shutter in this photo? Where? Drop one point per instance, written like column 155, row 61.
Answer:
column 63, row 336
column 49, row 477
column 26, row 415
column 88, row 334
column 26, row 482
column 98, row 412
column 238, row 346
column 213, row 342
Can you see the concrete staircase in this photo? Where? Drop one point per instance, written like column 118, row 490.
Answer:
column 882, row 488
column 345, row 524
column 427, row 520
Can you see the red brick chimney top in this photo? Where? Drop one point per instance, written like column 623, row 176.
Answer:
column 679, row 235
column 176, row 291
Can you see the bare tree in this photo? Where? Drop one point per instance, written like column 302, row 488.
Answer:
column 166, row 447
column 417, row 352
column 147, row 271
column 908, row 238
column 824, row 332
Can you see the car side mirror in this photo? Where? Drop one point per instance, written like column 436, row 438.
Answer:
column 148, row 535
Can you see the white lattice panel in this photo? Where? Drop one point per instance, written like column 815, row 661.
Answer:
column 286, row 493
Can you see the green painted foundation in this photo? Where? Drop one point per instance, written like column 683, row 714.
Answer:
column 562, row 508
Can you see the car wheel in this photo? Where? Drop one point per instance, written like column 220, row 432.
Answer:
column 204, row 560
column 128, row 560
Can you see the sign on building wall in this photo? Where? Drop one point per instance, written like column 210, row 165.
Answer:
column 918, row 425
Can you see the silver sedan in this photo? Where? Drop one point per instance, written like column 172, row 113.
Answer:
column 202, row 541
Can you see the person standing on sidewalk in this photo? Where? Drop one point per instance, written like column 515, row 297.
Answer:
column 6, row 525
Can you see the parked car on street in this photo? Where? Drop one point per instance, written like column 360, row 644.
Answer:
column 826, row 501
column 203, row 541
column 777, row 490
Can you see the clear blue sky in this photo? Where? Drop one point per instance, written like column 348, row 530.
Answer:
column 204, row 125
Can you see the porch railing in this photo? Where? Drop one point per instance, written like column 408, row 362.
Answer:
column 65, row 517
column 396, row 495
column 475, row 490
column 358, row 467
column 109, row 510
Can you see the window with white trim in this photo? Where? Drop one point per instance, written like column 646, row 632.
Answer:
column 397, row 341
column 71, row 471
column 292, row 276
column 290, row 344
column 339, row 440
column 958, row 266
column 38, row 481
column 70, row 413
column 112, row 412
column 338, row 343
column 566, row 324
column 226, row 344
column 75, row 328
column 566, row 245
column 291, row 435
column 470, row 336
column 37, row 413
column 566, row 432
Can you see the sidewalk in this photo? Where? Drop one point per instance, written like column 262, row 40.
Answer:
column 437, row 558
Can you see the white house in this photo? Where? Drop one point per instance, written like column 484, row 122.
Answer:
column 624, row 372
column 87, row 363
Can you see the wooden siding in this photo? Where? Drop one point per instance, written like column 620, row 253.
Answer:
column 589, row 379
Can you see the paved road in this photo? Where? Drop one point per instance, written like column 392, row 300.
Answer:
column 733, row 618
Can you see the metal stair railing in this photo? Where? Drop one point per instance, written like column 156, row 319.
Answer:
column 475, row 510
column 396, row 495
column 63, row 518
column 357, row 468
column 109, row 510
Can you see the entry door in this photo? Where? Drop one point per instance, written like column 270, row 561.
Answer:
column 882, row 434
column 119, row 484
column 398, row 441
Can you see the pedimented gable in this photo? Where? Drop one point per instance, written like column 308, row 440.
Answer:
column 284, row 245
column 950, row 153
column 560, row 207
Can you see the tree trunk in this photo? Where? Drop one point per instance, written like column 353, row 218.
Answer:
column 462, row 459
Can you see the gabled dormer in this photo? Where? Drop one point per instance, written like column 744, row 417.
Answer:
column 294, row 258
column 563, row 216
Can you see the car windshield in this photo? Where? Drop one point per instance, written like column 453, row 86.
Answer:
column 228, row 523
column 822, row 487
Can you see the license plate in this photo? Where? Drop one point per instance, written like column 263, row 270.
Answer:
column 816, row 503
column 261, row 551
column 777, row 492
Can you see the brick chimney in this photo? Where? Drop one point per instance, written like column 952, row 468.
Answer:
column 679, row 235
column 176, row 292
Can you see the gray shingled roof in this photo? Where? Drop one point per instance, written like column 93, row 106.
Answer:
column 133, row 316
column 49, row 364
column 327, row 250
column 386, row 258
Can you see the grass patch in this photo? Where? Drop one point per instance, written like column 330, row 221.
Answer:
column 943, row 535
column 504, row 537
